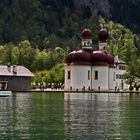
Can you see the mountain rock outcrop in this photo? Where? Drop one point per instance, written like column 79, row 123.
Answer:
column 124, row 11
column 95, row 7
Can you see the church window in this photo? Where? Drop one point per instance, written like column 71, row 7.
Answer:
column 120, row 76
column 96, row 75
column 84, row 43
column 68, row 74
column 114, row 76
column 88, row 75
column 88, row 43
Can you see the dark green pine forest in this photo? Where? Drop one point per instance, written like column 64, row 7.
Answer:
column 38, row 34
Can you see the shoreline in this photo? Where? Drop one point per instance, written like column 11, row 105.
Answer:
column 77, row 91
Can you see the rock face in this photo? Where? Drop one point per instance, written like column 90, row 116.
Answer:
column 124, row 11
column 94, row 7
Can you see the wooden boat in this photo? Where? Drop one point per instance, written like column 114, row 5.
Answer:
column 3, row 89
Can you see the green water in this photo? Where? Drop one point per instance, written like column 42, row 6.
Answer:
column 70, row 116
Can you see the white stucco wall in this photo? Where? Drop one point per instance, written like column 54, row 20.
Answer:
column 112, row 78
column 87, row 43
column 79, row 76
column 106, row 77
column 67, row 81
column 120, row 83
column 102, row 80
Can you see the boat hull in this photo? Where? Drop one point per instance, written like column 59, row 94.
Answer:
column 5, row 93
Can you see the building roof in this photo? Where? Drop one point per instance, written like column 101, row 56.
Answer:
column 86, row 34
column 79, row 57
column 103, row 35
column 89, row 57
column 120, row 61
column 15, row 71
column 102, row 57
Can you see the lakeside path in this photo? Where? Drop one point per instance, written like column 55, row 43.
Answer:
column 78, row 91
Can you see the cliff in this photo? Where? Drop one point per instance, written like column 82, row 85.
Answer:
column 124, row 11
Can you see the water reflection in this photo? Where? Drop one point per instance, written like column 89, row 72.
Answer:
column 99, row 116
column 14, row 118
column 32, row 116
column 47, row 116
column 70, row 116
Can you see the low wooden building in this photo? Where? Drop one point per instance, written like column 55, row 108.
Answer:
column 18, row 77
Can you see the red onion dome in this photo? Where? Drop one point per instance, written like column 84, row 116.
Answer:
column 79, row 57
column 86, row 33
column 102, row 58
column 69, row 58
column 103, row 35
column 110, row 59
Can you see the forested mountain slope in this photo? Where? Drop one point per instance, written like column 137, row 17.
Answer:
column 122, row 11
column 40, row 33
column 37, row 19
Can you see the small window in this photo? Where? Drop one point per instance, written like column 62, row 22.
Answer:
column 96, row 75
column 120, row 76
column 88, row 43
column 68, row 74
column 88, row 75
column 84, row 43
column 117, row 76
column 114, row 76
column 122, row 67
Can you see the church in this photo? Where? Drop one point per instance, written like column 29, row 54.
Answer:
column 94, row 69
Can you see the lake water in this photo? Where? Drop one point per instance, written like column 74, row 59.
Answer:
column 70, row 116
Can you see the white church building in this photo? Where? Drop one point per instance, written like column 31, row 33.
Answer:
column 92, row 69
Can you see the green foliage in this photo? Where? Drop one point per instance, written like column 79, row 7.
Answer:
column 54, row 75
column 122, row 42
column 15, row 55
column 34, row 59
column 41, row 35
